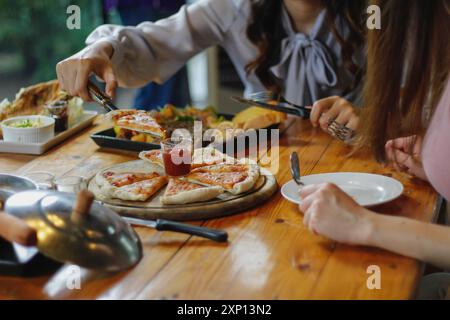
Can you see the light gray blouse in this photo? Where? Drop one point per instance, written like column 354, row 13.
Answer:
column 310, row 66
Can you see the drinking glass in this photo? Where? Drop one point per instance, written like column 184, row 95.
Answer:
column 71, row 184
column 177, row 156
column 43, row 179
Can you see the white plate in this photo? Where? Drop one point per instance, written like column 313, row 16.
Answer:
column 367, row 189
column 39, row 148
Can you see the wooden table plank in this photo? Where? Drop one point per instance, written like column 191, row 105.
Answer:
column 397, row 285
column 270, row 254
column 261, row 260
column 12, row 162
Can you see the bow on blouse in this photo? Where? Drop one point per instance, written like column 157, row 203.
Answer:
column 306, row 65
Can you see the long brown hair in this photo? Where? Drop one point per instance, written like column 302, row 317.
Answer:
column 408, row 63
column 266, row 32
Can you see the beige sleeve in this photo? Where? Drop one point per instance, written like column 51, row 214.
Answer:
column 155, row 51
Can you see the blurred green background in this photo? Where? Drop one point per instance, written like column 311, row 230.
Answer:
column 34, row 37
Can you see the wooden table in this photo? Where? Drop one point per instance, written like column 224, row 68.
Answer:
column 270, row 255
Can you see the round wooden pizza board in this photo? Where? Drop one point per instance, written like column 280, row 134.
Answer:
column 224, row 205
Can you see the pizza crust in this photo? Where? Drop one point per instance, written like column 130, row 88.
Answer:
column 249, row 182
column 240, row 187
column 202, row 157
column 137, row 120
column 210, row 156
column 109, row 190
column 156, row 157
column 196, row 195
column 127, row 193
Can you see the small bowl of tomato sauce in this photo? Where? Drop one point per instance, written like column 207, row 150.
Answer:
column 177, row 156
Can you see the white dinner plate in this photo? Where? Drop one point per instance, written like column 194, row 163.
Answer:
column 367, row 189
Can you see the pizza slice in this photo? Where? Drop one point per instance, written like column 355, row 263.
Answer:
column 125, row 178
column 234, row 178
column 137, row 120
column 140, row 191
column 181, row 191
column 152, row 156
column 202, row 157
column 210, row 156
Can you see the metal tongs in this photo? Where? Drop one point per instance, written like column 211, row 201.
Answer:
column 280, row 105
column 100, row 97
column 106, row 102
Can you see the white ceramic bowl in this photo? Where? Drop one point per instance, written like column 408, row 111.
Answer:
column 39, row 134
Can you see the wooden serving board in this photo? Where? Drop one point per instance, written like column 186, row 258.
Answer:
column 224, row 205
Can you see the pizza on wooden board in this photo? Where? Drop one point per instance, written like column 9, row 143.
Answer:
column 234, row 178
column 140, row 191
column 131, row 183
column 210, row 156
column 137, row 120
column 182, row 191
column 152, row 156
column 202, row 157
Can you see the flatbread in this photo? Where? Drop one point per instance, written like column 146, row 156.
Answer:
column 182, row 191
column 137, row 120
column 236, row 179
column 139, row 191
column 127, row 180
column 152, row 156
column 210, row 156
column 202, row 157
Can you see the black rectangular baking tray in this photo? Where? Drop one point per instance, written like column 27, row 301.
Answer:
column 107, row 139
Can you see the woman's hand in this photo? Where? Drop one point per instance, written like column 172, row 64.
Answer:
column 404, row 155
column 334, row 108
column 74, row 72
column 330, row 212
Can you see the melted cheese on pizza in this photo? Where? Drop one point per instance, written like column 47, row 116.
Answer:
column 139, row 121
column 224, row 168
column 153, row 156
column 126, row 178
column 205, row 157
column 223, row 179
column 146, row 187
column 176, row 186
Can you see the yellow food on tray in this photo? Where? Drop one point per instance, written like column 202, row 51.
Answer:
column 133, row 135
column 257, row 118
column 171, row 118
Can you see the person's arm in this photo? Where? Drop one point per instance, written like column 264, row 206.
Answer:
column 155, row 51
column 424, row 241
column 149, row 51
column 330, row 212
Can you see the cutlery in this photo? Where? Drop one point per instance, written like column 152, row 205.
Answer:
column 166, row 225
column 266, row 96
column 339, row 131
column 262, row 98
column 100, row 97
column 302, row 112
column 106, row 102
column 295, row 168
